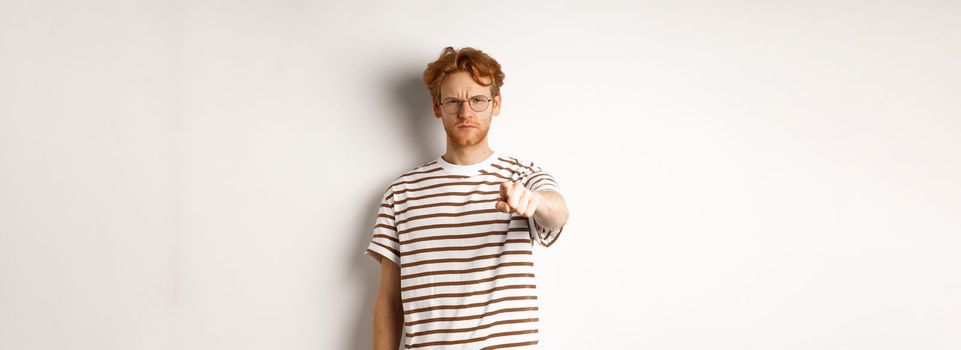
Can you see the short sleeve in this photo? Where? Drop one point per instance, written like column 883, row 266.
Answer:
column 537, row 179
column 384, row 242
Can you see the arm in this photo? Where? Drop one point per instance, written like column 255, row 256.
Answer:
column 388, row 309
column 551, row 212
column 546, row 206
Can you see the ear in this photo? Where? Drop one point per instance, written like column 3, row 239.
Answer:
column 497, row 105
column 436, row 107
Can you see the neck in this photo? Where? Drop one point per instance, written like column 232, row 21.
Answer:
column 466, row 155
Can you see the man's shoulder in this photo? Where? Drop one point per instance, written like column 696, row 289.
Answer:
column 516, row 163
column 419, row 171
column 517, row 166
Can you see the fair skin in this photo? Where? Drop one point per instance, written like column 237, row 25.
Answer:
column 465, row 145
column 388, row 309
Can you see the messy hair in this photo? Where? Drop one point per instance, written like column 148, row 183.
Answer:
column 475, row 62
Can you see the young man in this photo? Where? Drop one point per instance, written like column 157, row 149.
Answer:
column 454, row 236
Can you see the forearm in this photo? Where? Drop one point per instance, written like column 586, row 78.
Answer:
column 552, row 210
column 388, row 323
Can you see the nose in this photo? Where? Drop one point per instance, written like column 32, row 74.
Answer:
column 465, row 110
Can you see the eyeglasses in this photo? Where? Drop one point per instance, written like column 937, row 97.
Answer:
column 478, row 103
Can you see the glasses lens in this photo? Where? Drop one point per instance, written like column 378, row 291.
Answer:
column 479, row 103
column 451, row 106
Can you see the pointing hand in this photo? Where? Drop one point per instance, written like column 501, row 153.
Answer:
column 517, row 198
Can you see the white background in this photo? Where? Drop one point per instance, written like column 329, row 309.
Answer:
column 741, row 175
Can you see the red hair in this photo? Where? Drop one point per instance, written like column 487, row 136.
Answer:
column 475, row 62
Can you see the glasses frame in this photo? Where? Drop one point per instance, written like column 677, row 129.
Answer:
column 460, row 104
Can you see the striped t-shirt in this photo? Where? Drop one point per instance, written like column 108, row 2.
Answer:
column 466, row 268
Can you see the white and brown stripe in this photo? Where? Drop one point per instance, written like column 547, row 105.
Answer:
column 467, row 270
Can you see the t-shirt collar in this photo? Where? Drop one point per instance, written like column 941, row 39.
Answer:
column 468, row 169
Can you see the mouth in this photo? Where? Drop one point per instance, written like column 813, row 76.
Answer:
column 465, row 126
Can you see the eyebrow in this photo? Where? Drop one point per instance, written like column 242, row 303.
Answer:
column 472, row 96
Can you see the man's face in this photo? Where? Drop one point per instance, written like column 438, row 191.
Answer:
column 461, row 86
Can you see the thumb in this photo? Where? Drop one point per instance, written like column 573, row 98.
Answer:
column 502, row 206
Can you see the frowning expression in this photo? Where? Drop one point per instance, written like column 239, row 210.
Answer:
column 465, row 126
